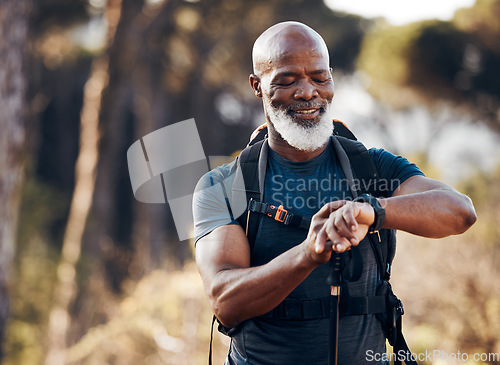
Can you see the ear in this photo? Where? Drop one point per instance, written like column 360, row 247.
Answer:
column 255, row 85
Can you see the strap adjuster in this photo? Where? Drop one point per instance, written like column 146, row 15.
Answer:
column 281, row 214
column 251, row 205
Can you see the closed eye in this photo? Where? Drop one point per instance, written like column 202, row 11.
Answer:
column 286, row 84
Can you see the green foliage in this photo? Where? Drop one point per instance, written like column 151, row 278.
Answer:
column 484, row 190
column 436, row 58
column 163, row 319
column 42, row 214
column 401, row 61
column 481, row 21
column 383, row 54
column 34, row 271
column 434, row 61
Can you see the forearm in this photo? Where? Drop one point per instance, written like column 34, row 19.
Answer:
column 241, row 293
column 434, row 213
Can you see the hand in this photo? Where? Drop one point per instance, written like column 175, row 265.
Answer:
column 336, row 227
column 348, row 225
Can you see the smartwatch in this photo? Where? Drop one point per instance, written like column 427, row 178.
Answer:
column 377, row 208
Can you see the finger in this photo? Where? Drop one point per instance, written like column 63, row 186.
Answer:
column 349, row 213
column 348, row 236
column 320, row 242
column 341, row 226
column 347, row 224
column 340, row 243
column 344, row 229
column 328, row 245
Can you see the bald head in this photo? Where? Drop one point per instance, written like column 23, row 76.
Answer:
column 282, row 40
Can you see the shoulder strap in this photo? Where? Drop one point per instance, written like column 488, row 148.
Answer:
column 346, row 165
column 248, row 162
column 253, row 163
column 340, row 129
column 367, row 181
column 367, row 177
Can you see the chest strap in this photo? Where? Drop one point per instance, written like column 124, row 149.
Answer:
column 279, row 214
column 304, row 309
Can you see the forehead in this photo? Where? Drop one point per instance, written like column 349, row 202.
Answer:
column 293, row 51
column 298, row 62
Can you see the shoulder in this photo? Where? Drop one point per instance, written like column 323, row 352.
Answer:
column 393, row 168
column 219, row 198
column 385, row 159
column 379, row 154
column 218, row 175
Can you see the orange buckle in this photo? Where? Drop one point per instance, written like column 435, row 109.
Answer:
column 281, row 214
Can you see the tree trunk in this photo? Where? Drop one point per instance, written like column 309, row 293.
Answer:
column 66, row 286
column 14, row 21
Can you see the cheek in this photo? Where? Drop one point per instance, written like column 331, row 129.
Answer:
column 280, row 96
column 326, row 94
column 272, row 92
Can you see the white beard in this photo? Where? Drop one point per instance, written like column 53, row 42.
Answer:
column 302, row 136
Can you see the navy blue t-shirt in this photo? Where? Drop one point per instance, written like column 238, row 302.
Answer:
column 302, row 188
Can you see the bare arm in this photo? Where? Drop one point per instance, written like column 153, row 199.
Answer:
column 237, row 291
column 421, row 206
column 428, row 208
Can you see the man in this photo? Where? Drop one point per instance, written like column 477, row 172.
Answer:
column 293, row 78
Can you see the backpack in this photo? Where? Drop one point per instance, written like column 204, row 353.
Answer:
column 358, row 167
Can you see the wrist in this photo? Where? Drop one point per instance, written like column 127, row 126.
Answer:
column 311, row 254
column 378, row 210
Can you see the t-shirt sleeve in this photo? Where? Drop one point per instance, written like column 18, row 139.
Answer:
column 214, row 204
column 393, row 170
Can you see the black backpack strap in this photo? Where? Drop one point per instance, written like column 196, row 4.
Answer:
column 306, row 309
column 382, row 242
column 367, row 180
column 211, row 341
column 279, row 214
column 340, row 129
column 401, row 347
column 252, row 163
column 345, row 163
column 365, row 171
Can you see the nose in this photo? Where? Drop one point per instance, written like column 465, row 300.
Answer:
column 305, row 91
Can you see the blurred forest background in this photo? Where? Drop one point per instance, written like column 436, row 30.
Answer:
column 88, row 275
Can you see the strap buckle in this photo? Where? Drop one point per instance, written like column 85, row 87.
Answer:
column 251, row 204
column 281, row 214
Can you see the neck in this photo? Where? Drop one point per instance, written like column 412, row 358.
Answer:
column 282, row 148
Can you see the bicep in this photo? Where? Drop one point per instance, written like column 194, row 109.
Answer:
column 419, row 184
column 225, row 248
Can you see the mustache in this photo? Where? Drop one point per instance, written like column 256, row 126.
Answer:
column 305, row 105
